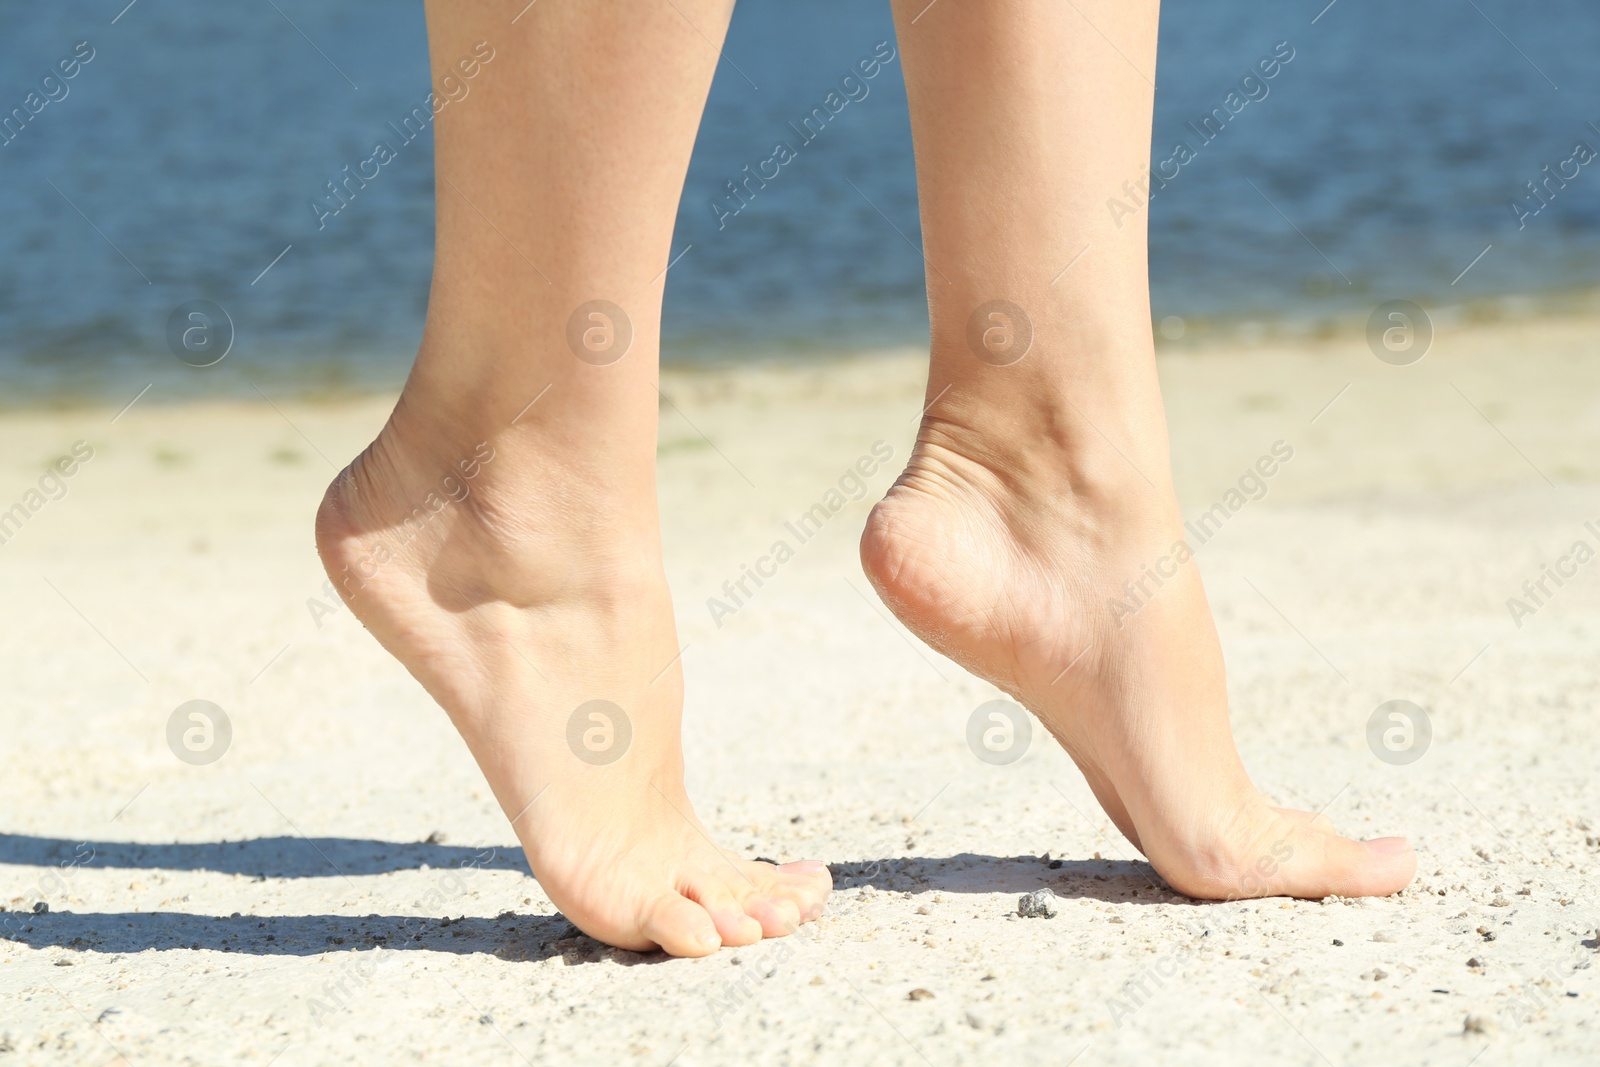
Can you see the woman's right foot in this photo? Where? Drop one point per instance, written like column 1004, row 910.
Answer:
column 1005, row 545
column 517, row 584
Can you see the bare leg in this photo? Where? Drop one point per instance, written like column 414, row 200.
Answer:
column 509, row 555
column 1039, row 487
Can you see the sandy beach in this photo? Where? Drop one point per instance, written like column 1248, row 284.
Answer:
column 339, row 886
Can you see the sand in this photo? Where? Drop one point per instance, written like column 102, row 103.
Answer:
column 286, row 902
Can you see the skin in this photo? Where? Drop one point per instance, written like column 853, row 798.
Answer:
column 558, row 177
column 1037, row 488
column 531, row 583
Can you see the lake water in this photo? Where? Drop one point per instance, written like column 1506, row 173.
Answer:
column 183, row 156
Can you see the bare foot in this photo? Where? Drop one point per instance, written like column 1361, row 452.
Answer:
column 1003, row 545
column 518, row 588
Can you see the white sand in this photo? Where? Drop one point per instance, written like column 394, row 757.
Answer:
column 1383, row 555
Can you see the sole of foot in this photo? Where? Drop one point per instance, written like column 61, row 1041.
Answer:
column 553, row 650
column 1013, row 570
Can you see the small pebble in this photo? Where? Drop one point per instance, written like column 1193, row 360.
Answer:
column 1474, row 962
column 919, row 994
column 1478, row 1024
column 974, row 1021
column 1040, row 904
column 1336, row 941
column 1386, row 936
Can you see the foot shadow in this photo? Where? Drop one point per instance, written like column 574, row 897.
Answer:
column 510, row 937
column 1109, row 881
column 259, row 857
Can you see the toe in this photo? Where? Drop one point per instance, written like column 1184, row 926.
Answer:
column 680, row 926
column 778, row 898
column 806, row 883
column 1339, row 865
column 1274, row 852
column 1311, row 861
column 778, row 916
column 733, row 925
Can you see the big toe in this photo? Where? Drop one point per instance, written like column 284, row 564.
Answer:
column 1322, row 863
column 1285, row 853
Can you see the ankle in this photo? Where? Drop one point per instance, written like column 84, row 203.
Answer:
column 1098, row 446
column 559, row 441
column 1053, row 377
column 538, row 362
column 504, row 515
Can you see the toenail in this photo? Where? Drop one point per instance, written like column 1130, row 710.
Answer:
column 1388, row 845
column 710, row 940
column 802, row 866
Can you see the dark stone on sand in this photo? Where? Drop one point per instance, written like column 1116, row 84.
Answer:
column 1040, row 904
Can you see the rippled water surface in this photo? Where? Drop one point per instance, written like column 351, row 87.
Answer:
column 183, row 158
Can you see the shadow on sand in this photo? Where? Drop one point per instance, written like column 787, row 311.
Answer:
column 510, row 936
column 1112, row 881
column 259, row 857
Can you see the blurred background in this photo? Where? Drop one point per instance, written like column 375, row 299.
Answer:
column 183, row 161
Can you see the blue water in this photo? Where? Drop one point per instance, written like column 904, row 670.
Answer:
column 184, row 156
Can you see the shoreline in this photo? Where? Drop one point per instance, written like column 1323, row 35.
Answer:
column 357, row 376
